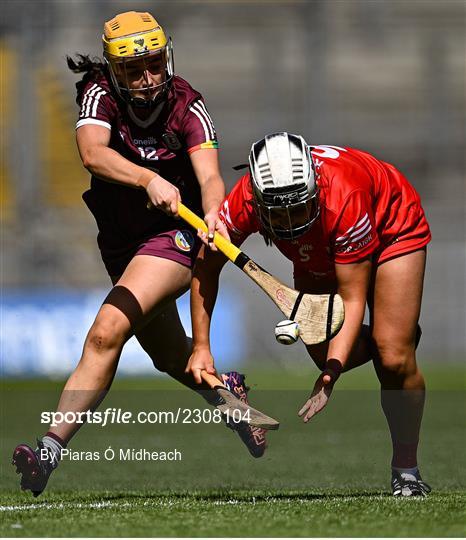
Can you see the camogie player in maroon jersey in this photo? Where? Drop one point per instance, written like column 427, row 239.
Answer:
column 148, row 141
column 351, row 224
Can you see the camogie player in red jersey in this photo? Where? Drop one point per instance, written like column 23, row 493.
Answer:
column 351, row 224
column 148, row 141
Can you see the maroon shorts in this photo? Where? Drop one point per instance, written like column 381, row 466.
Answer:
column 179, row 245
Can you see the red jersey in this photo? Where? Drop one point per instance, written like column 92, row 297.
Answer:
column 367, row 209
column 163, row 145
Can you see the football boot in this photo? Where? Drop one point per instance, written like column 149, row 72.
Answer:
column 253, row 437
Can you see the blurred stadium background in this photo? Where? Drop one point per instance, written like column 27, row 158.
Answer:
column 386, row 76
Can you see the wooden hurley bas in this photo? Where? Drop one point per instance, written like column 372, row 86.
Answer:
column 235, row 409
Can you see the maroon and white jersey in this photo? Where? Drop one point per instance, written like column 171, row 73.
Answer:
column 182, row 127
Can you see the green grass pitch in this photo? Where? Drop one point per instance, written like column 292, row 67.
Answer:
column 327, row 478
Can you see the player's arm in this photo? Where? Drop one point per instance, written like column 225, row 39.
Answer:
column 355, row 242
column 207, row 170
column 353, row 282
column 199, row 133
column 204, row 290
column 105, row 163
column 236, row 215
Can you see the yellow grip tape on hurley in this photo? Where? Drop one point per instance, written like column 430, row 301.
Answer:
column 226, row 247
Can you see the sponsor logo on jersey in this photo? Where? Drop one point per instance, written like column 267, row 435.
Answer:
column 184, row 240
column 145, row 142
column 355, row 237
column 321, row 274
column 359, row 245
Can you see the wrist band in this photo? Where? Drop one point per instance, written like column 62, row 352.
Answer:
column 333, row 367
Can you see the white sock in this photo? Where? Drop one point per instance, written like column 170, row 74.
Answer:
column 407, row 474
column 54, row 448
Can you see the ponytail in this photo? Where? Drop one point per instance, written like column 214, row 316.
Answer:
column 93, row 70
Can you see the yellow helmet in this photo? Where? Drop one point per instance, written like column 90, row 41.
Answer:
column 135, row 41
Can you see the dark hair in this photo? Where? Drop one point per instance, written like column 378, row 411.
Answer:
column 266, row 236
column 93, row 69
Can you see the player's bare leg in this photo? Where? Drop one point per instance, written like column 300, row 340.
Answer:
column 147, row 283
column 397, row 299
column 165, row 341
column 396, row 331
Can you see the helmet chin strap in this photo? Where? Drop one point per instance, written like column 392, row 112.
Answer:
column 141, row 103
column 290, row 234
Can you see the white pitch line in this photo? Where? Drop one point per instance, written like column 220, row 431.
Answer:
column 152, row 503
column 96, row 505
column 59, row 506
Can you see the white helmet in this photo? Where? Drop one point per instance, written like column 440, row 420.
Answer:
column 283, row 184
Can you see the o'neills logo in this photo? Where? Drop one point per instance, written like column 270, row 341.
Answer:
column 184, row 240
column 145, row 142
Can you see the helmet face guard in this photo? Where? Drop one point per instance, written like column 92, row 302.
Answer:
column 125, row 70
column 139, row 58
column 284, row 187
column 288, row 221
